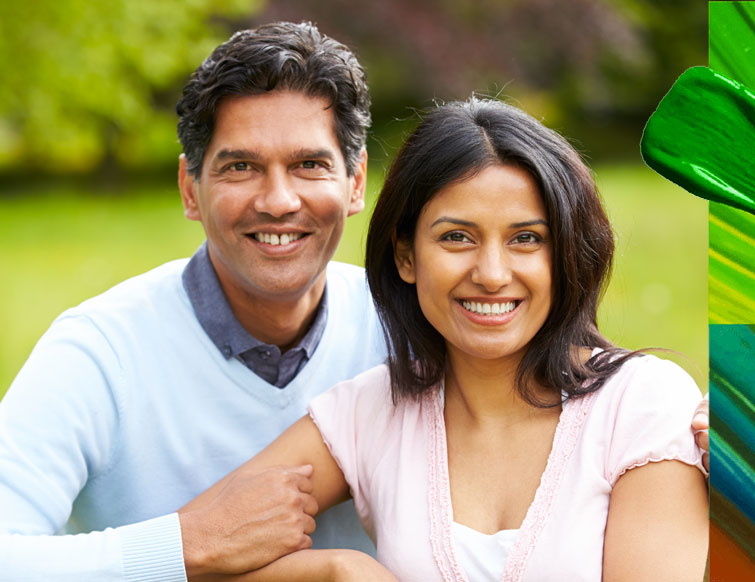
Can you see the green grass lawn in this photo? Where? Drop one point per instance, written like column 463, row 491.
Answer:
column 59, row 247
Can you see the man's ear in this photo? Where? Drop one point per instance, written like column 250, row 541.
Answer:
column 188, row 187
column 359, row 185
column 403, row 254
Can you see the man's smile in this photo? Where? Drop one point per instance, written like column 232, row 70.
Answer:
column 276, row 239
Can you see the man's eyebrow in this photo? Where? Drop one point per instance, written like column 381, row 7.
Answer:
column 313, row 154
column 240, row 154
column 299, row 154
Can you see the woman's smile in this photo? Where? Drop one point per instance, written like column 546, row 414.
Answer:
column 485, row 311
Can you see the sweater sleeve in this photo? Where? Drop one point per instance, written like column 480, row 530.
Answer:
column 149, row 550
column 654, row 401
column 58, row 430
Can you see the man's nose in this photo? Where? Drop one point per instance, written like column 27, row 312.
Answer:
column 277, row 196
column 492, row 269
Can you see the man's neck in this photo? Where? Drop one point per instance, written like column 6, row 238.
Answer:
column 281, row 322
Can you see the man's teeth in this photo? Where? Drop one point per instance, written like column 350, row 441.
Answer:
column 489, row 308
column 277, row 239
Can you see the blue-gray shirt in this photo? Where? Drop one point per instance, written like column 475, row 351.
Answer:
column 231, row 338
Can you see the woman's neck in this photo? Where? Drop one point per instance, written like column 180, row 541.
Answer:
column 485, row 391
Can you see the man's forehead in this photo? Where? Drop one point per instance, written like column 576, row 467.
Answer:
column 275, row 123
column 275, row 108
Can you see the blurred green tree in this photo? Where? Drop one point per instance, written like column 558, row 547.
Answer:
column 580, row 65
column 91, row 84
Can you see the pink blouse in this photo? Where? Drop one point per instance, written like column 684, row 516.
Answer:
column 395, row 461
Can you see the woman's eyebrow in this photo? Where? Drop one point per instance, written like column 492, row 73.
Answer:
column 529, row 223
column 458, row 221
column 461, row 222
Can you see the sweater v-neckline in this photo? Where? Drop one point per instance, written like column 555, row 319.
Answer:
column 440, row 508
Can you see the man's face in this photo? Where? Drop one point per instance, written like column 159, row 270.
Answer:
column 273, row 195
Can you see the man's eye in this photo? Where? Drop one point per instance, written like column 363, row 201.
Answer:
column 240, row 167
column 310, row 165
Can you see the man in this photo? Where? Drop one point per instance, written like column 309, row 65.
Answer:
column 139, row 399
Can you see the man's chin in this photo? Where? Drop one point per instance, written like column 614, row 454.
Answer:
column 288, row 285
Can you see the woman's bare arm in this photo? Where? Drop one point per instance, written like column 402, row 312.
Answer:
column 657, row 525
column 315, row 566
column 262, row 511
column 301, row 444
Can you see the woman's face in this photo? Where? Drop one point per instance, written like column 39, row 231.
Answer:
column 481, row 261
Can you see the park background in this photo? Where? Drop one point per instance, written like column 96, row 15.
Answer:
column 88, row 148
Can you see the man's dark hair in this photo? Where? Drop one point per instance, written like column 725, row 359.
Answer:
column 283, row 56
column 452, row 144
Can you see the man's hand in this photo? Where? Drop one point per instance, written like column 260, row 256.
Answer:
column 254, row 519
column 700, row 426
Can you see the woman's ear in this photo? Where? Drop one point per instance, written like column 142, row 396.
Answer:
column 403, row 254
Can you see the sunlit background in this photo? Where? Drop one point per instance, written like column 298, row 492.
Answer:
column 88, row 147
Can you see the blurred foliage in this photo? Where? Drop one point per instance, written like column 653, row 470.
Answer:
column 594, row 69
column 93, row 84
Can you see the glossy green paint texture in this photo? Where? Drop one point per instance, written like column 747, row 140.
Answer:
column 702, row 137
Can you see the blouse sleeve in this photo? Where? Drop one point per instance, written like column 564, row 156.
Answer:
column 654, row 401
column 352, row 418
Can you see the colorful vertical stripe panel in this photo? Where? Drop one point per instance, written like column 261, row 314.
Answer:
column 731, row 313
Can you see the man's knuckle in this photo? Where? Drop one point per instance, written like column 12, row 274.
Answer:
column 309, row 525
column 290, row 499
column 299, row 542
column 296, row 542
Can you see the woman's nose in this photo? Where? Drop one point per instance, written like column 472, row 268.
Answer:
column 492, row 270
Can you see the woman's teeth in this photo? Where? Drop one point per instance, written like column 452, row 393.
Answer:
column 489, row 308
column 277, row 239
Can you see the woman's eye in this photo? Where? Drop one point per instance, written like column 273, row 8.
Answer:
column 455, row 237
column 527, row 238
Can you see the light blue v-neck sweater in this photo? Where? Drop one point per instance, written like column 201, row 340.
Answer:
column 126, row 410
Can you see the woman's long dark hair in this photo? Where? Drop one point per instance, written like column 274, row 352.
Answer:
column 451, row 144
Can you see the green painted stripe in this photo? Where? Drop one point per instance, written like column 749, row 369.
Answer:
column 731, row 265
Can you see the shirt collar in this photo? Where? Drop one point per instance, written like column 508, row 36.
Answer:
column 217, row 319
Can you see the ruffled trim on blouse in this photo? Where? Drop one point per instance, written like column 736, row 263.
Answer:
column 694, row 462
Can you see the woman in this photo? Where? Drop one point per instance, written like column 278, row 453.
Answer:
column 506, row 439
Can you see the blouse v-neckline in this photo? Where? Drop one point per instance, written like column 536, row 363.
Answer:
column 570, row 422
